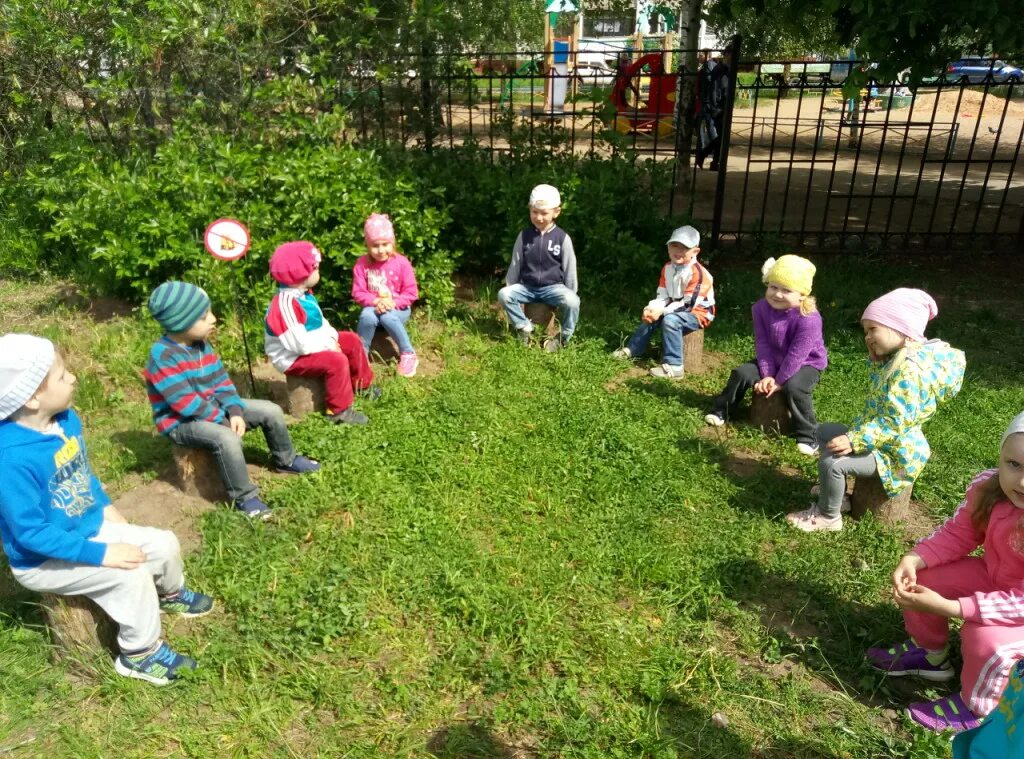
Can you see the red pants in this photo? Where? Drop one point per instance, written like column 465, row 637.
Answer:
column 989, row 651
column 344, row 371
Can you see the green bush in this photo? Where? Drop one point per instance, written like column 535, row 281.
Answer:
column 124, row 227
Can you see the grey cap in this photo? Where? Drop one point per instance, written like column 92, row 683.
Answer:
column 687, row 236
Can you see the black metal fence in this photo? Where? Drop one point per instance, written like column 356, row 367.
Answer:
column 802, row 160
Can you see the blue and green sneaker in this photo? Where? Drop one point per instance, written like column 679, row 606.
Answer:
column 187, row 603
column 158, row 667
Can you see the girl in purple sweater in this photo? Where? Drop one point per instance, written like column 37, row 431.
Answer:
column 384, row 284
column 788, row 346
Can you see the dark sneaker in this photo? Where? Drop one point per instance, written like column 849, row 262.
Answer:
column 349, row 416
column 254, row 508
column 909, row 659
column 300, row 465
column 371, row 393
column 714, row 419
column 187, row 603
column 949, row 713
column 159, row 667
column 525, row 336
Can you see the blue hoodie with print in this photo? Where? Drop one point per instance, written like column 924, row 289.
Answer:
column 51, row 504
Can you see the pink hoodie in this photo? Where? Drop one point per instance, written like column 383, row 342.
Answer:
column 1003, row 539
column 395, row 276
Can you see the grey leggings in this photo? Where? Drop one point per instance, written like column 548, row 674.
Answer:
column 833, row 470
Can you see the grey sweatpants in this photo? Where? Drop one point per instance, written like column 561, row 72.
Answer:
column 833, row 470
column 128, row 596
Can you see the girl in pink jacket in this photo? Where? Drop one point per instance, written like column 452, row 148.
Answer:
column 384, row 284
column 939, row 580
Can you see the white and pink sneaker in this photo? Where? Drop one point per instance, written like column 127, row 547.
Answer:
column 407, row 364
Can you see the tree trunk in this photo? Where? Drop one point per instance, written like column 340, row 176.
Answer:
column 689, row 33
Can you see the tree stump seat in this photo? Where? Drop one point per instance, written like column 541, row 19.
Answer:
column 305, row 395
column 693, row 351
column 78, row 625
column 869, row 495
column 771, row 413
column 197, row 474
column 383, row 347
column 543, row 316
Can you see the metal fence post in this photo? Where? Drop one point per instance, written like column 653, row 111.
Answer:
column 735, row 48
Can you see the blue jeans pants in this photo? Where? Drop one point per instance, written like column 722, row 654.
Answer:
column 392, row 321
column 674, row 326
column 226, row 446
column 514, row 297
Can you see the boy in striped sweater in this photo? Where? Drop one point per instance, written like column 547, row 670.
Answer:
column 196, row 404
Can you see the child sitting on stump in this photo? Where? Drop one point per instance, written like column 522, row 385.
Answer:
column 60, row 532
column 684, row 303
column 543, row 270
column 910, row 378
column 196, row 404
column 301, row 342
column 789, row 350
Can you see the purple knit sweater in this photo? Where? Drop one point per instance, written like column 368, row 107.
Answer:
column 784, row 341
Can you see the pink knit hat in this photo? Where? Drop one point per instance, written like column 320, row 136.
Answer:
column 378, row 228
column 905, row 310
column 293, row 262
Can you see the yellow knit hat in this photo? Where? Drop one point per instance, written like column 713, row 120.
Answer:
column 791, row 272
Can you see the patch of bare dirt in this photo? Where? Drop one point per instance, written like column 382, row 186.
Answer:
column 99, row 308
column 918, row 523
column 160, row 504
column 619, row 381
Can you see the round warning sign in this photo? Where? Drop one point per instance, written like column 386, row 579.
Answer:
column 227, row 239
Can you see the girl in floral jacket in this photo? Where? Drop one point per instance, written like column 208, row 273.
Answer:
column 910, row 378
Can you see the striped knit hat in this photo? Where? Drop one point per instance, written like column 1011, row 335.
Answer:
column 25, row 360
column 178, row 305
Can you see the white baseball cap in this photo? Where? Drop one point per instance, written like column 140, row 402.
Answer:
column 687, row 236
column 25, row 360
column 545, row 196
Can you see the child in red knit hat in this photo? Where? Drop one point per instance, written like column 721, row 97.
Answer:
column 299, row 340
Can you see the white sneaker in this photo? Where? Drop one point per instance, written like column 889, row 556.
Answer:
column 714, row 420
column 622, row 353
column 807, row 450
column 667, row 371
column 809, row 520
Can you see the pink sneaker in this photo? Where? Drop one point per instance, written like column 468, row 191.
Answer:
column 407, row 364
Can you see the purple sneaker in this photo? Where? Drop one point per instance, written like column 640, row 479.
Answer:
column 949, row 713
column 909, row 659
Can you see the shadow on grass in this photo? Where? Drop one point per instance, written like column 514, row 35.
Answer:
column 691, row 731
column 827, row 635
column 462, row 740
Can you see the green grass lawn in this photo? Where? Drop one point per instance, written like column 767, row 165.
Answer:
column 523, row 554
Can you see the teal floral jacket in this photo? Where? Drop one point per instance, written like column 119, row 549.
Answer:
column 901, row 400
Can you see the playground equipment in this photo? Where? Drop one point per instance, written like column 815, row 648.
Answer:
column 644, row 96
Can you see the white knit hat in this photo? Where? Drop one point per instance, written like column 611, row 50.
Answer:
column 25, row 360
column 545, row 196
column 1017, row 425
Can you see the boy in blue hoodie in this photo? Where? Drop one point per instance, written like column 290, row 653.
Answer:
column 59, row 530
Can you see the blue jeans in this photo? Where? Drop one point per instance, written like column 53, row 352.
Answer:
column 514, row 297
column 392, row 321
column 673, row 326
column 227, row 446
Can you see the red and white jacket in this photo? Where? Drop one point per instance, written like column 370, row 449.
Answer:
column 295, row 326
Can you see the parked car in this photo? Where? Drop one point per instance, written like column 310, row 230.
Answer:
column 593, row 72
column 976, row 70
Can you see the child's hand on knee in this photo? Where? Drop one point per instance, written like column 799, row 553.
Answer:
column 840, row 445
column 123, row 556
column 237, row 425
column 766, row 385
column 904, row 576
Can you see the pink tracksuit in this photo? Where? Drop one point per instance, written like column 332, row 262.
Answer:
column 990, row 589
